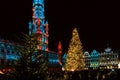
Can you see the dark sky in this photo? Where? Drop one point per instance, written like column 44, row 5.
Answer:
column 97, row 26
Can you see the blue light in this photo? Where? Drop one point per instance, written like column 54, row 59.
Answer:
column 94, row 63
column 53, row 61
column 30, row 28
column 94, row 53
column 11, row 57
column 1, row 55
column 64, row 56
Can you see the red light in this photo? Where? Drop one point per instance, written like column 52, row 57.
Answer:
column 4, row 70
column 38, row 22
column 9, row 70
column 59, row 46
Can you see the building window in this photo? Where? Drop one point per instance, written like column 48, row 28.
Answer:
column 2, row 50
column 2, row 61
column 12, row 52
column 17, row 53
column 8, row 51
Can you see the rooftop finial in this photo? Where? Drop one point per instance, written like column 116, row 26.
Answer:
column 108, row 49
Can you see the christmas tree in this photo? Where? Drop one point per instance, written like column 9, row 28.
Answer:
column 75, row 60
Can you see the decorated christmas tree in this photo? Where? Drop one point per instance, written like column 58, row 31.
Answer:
column 74, row 59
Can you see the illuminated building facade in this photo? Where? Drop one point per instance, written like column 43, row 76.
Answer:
column 8, row 52
column 94, row 57
column 87, row 59
column 53, row 59
column 108, row 59
column 38, row 26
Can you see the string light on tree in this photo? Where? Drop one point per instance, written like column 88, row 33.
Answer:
column 75, row 60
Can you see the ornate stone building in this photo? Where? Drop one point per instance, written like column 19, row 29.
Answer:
column 8, row 52
column 108, row 59
column 94, row 57
column 87, row 59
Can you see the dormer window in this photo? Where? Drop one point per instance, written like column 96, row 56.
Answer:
column 108, row 50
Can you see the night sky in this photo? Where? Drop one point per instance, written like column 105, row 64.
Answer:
column 97, row 26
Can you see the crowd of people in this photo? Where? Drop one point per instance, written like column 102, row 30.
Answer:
column 87, row 75
column 111, row 74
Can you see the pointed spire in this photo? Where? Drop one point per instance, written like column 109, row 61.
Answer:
column 59, row 46
column 59, row 52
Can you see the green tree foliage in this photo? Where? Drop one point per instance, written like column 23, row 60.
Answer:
column 31, row 62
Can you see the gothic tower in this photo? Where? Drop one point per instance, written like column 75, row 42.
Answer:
column 59, row 52
column 38, row 26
